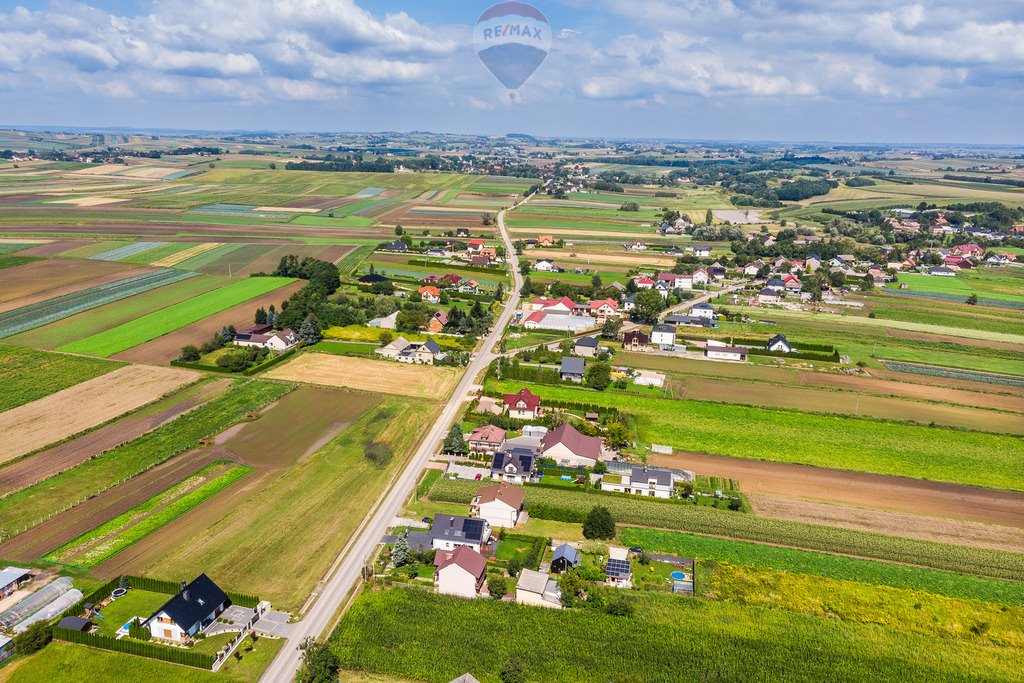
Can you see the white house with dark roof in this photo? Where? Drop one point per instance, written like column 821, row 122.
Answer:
column 779, row 343
column 640, row 481
column 703, row 311
column 571, row 369
column 266, row 339
column 189, row 612
column 663, row 335
column 449, row 532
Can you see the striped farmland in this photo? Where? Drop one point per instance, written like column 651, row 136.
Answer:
column 60, row 307
column 126, row 251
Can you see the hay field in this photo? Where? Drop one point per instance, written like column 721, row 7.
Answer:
column 86, row 405
column 388, row 377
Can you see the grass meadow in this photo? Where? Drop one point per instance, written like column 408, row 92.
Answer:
column 27, row 375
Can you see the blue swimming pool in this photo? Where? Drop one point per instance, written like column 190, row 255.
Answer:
column 679, row 576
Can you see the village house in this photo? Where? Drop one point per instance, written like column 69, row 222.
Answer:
column 469, row 287
column 480, row 261
column 13, row 578
column 703, row 311
column 514, row 465
column 371, row 279
column 189, row 612
column 753, row 268
column 643, row 282
column 779, row 343
column 461, row 572
column 603, row 310
column 545, row 241
column 546, row 266
column 700, row 277
column 448, row 532
column 474, row 246
column 387, row 322
column 566, row 446
column 430, row 294
column 571, row 369
column 523, row 405
column 777, row 284
column 586, row 346
column 640, row 481
column 617, row 570
column 942, row 272
column 499, row 505
column 486, row 439
column 396, row 246
column 769, row 296
column 663, row 336
column 718, row 351
column 563, row 306
column 420, row 353
column 264, row 337
column 565, row 557
column 699, row 250
column 635, row 340
column 538, row 589
column 437, row 322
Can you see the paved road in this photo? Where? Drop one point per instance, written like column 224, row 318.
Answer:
column 356, row 554
column 687, row 305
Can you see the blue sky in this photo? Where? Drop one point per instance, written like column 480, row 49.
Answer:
column 853, row 70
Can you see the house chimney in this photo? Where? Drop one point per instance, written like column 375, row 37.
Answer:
column 184, row 591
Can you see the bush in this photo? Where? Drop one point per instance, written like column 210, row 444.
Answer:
column 189, row 354
column 379, row 454
column 497, row 586
column 599, row 523
column 138, row 631
column 35, row 638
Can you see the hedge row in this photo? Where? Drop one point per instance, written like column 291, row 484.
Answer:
column 803, row 346
column 199, row 366
column 801, row 355
column 164, row 653
column 274, row 360
column 570, row 505
column 442, row 266
column 607, row 411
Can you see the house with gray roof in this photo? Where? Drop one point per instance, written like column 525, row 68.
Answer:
column 448, row 532
column 566, row 557
column 571, row 369
column 640, row 481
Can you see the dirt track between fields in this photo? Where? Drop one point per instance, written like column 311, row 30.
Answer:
column 45, row 464
column 958, row 532
column 859, row 489
column 163, row 350
column 55, row 532
column 56, row 417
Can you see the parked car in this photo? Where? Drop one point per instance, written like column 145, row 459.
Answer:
column 426, row 520
column 637, row 550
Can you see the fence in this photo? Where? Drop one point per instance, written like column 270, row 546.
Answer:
column 136, row 647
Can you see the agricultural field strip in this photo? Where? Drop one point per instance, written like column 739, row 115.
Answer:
column 58, row 416
column 28, row 375
column 850, row 443
column 570, row 505
column 938, row 371
column 66, row 305
column 110, row 538
column 173, row 317
column 424, row 381
column 32, row 505
column 125, row 251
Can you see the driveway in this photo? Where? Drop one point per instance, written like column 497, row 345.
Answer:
column 236, row 616
column 275, row 624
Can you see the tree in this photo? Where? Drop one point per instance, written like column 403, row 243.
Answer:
column 400, row 551
column 619, row 607
column 386, row 337
column 514, row 566
column 273, row 166
column 189, row 354
column 598, row 376
column 600, row 467
column 648, row 304
column 599, row 523
column 455, row 442
column 572, row 586
column 595, row 282
column 34, row 639
column 319, row 663
column 512, row 672
column 616, row 435
column 611, row 327
column 271, row 315
column 139, row 632
column 261, row 316
column 709, row 216
column 486, row 219
column 499, row 292
column 311, row 332
column 972, row 299
column 497, row 586
column 398, row 230
column 868, row 283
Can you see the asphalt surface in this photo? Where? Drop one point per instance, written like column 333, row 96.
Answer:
column 359, row 550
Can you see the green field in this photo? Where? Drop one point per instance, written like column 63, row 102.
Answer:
column 116, row 313
column 939, row 454
column 12, row 260
column 29, row 506
column 27, row 375
column 179, row 315
column 572, row 505
column 708, row 548
column 397, row 632
column 110, row 538
column 985, row 283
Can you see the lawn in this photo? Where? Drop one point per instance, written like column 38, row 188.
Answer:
column 987, row 284
column 669, row 638
column 135, row 603
column 939, row 454
column 173, row 317
column 27, row 375
column 110, row 538
column 28, row 506
column 708, row 548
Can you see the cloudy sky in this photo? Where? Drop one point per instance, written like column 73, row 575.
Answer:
column 853, row 70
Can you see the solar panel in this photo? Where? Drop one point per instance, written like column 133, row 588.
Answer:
column 617, row 568
column 473, row 528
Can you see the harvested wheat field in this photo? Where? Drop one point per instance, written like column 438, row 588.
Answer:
column 389, row 377
column 86, row 405
column 175, row 259
column 56, row 274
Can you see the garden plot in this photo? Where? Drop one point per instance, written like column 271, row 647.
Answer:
column 60, row 307
column 91, row 403
column 425, row 381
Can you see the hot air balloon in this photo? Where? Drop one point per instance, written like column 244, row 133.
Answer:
column 512, row 39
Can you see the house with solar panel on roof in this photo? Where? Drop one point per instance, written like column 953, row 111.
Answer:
column 189, row 612
column 617, row 570
column 448, row 532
